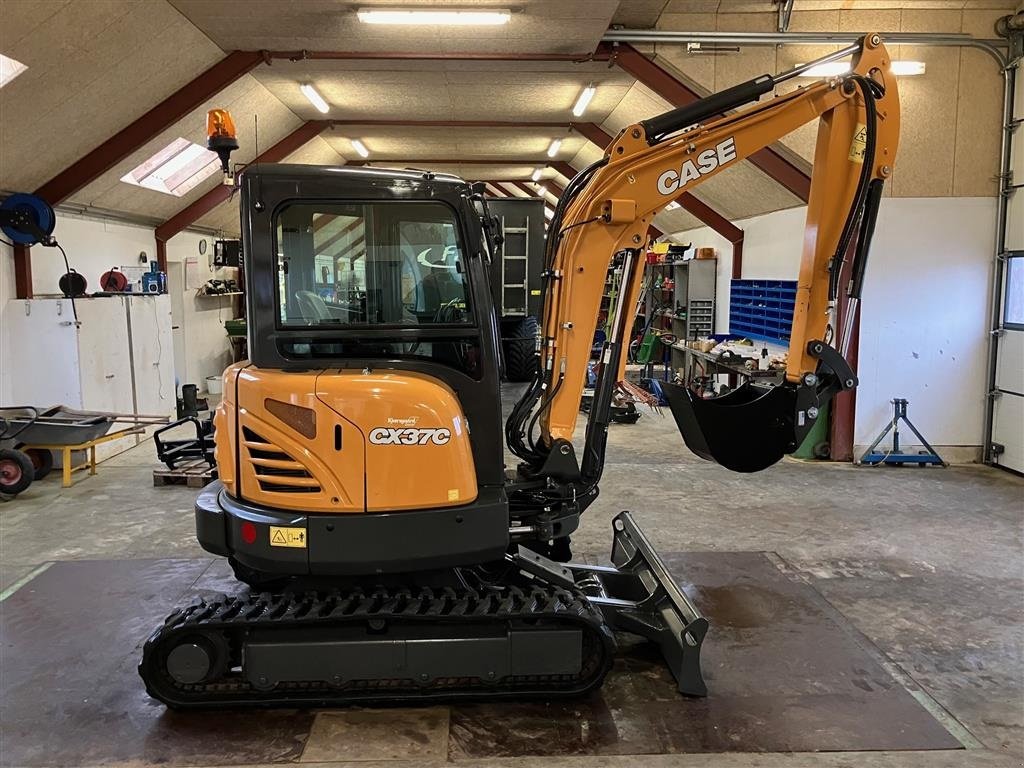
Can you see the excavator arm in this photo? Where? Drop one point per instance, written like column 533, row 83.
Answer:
column 603, row 219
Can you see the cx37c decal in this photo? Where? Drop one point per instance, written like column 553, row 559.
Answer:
column 672, row 181
column 388, row 436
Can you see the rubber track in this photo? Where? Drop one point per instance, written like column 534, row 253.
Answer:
column 232, row 617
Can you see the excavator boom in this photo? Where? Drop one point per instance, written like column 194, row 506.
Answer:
column 607, row 209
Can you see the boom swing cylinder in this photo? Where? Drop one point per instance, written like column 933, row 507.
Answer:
column 607, row 208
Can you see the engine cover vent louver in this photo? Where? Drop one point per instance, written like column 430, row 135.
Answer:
column 276, row 471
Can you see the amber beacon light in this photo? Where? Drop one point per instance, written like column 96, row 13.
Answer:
column 221, row 138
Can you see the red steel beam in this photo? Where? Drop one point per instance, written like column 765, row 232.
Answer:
column 528, row 189
column 593, row 133
column 22, row 271
column 666, row 85
column 844, row 404
column 562, row 167
column 219, row 194
column 602, row 54
column 341, row 233
column 719, row 224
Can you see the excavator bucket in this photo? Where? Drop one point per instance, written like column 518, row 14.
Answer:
column 746, row 430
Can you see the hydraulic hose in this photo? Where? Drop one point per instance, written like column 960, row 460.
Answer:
column 870, row 90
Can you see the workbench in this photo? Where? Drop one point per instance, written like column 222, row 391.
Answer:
column 714, row 364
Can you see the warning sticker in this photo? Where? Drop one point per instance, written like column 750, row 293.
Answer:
column 287, row 537
column 453, row 494
column 859, row 144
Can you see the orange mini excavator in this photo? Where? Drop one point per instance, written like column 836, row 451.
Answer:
column 363, row 494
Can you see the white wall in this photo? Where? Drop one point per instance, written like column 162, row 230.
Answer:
column 207, row 350
column 771, row 251
column 924, row 310
column 924, row 320
column 94, row 246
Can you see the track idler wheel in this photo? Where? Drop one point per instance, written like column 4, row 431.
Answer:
column 197, row 658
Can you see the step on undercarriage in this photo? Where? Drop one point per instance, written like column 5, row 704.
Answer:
column 543, row 629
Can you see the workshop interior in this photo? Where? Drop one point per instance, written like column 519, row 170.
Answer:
column 515, row 383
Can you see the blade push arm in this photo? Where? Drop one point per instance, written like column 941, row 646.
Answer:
column 647, row 166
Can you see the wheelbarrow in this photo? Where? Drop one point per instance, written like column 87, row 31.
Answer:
column 23, row 426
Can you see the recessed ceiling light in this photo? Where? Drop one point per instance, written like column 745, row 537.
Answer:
column 359, row 147
column 536, row 174
column 314, row 98
column 433, row 17
column 584, row 100
column 9, row 69
column 836, row 68
column 174, row 170
column 555, row 146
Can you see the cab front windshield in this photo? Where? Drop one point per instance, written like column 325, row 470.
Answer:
column 370, row 264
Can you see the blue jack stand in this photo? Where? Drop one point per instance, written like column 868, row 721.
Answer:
column 895, row 457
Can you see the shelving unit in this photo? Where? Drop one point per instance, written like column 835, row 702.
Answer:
column 688, row 308
column 762, row 309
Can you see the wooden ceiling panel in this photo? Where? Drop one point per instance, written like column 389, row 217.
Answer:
column 93, row 67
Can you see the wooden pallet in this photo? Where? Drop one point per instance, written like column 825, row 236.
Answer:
column 194, row 474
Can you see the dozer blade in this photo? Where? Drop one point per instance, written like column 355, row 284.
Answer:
column 746, row 430
column 638, row 595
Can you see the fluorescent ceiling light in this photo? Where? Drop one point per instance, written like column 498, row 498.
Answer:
column 555, row 146
column 314, row 98
column 359, row 147
column 908, row 68
column 433, row 17
column 548, row 213
column 9, row 69
column 836, row 68
column 176, row 169
column 536, row 174
column 584, row 100
column 672, row 206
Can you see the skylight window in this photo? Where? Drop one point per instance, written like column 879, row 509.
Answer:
column 9, row 69
column 176, row 169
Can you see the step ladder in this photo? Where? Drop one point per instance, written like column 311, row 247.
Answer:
column 514, row 306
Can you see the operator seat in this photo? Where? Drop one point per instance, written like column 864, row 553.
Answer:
column 314, row 309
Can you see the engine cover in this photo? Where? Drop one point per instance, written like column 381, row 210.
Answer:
column 343, row 440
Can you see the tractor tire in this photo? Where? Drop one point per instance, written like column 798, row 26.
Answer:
column 42, row 461
column 16, row 471
column 520, row 349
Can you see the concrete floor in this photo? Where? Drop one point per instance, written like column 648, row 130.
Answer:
column 927, row 563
